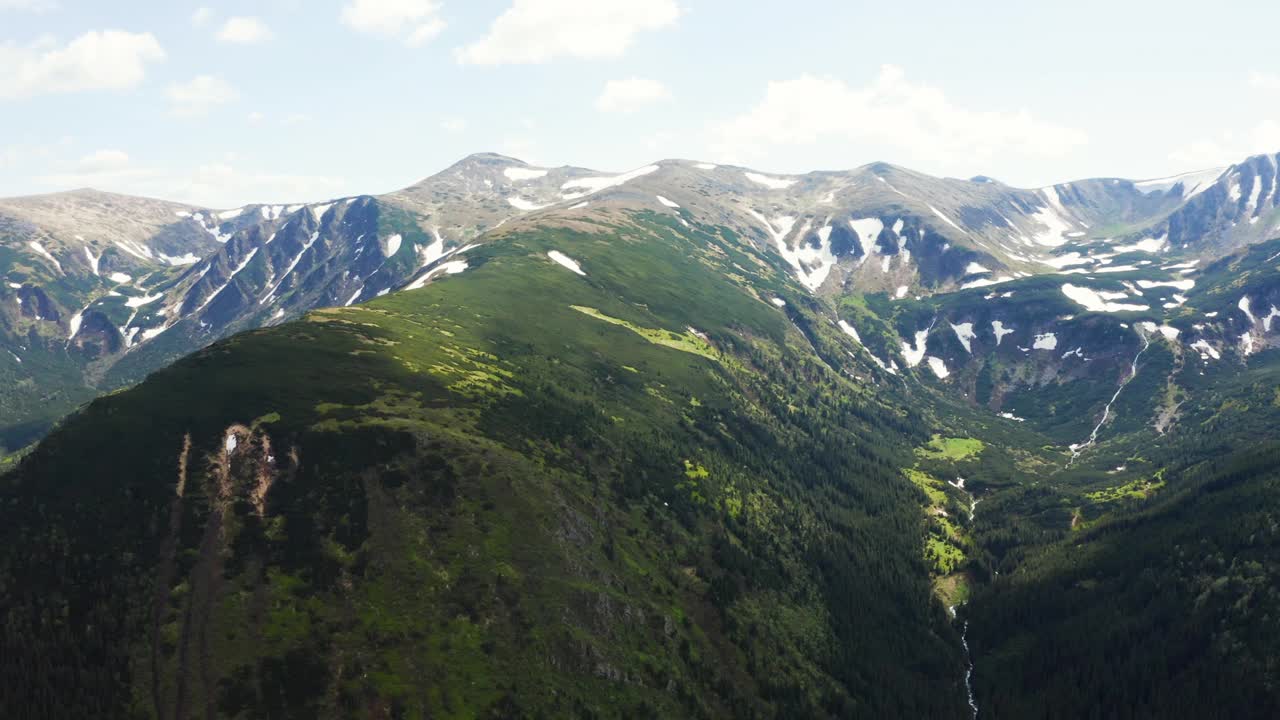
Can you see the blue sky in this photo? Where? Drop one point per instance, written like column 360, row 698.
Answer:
column 284, row 100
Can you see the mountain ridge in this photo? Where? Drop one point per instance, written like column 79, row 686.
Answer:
column 877, row 228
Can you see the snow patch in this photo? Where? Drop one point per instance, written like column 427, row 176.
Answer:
column 519, row 174
column 945, row 219
column 44, row 253
column 392, row 246
column 1176, row 284
column 1193, row 183
column 180, row 260
column 565, row 261
column 523, row 205
column 434, row 251
column 1266, row 321
column 453, row 267
column 1000, row 330
column 293, row 264
column 779, row 302
column 1206, row 349
column 913, row 356
column 119, row 277
column 974, row 268
column 938, row 367
column 965, row 333
column 93, row 261
column 772, row 183
column 812, row 265
column 667, row 202
column 596, row 184
column 243, row 264
column 850, row 331
column 1093, row 302
column 1246, row 344
column 985, row 282
column 138, row 302
column 1244, row 307
column 1149, row 245
column 868, row 230
column 1046, row 341
column 143, row 252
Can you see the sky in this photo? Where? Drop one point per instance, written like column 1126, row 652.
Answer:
column 227, row 103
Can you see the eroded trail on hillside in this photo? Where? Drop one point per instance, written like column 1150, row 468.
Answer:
column 1078, row 450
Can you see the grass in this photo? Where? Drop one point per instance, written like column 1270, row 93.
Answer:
column 954, row 449
column 1138, row 489
column 686, row 342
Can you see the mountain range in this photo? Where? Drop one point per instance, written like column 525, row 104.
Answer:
column 687, row 441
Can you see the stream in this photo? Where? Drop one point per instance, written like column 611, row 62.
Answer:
column 968, row 671
column 964, row 631
column 1078, row 450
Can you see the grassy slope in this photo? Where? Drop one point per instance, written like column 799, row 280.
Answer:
column 475, row 499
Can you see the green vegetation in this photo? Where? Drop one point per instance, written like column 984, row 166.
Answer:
column 687, row 342
column 957, row 449
column 645, row 491
column 1138, row 489
column 1167, row 611
column 473, row 500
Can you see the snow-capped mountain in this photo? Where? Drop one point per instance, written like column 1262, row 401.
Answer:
column 100, row 289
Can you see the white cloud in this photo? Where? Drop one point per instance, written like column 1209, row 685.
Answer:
column 425, row 33
column 97, row 60
column 1229, row 147
column 41, row 152
column 415, row 22
column 453, row 124
column 536, row 31
column 256, row 118
column 244, row 31
column 201, row 16
column 104, row 161
column 1264, row 81
column 200, row 94
column 216, row 184
column 223, row 185
column 629, row 95
column 28, row 5
column 891, row 117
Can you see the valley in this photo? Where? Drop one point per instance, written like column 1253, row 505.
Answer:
column 685, row 441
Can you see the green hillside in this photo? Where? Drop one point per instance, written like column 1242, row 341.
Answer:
column 481, row 499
